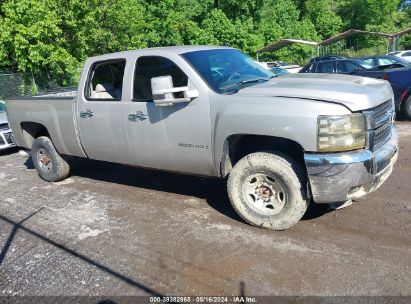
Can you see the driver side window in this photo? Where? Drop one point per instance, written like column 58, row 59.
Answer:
column 148, row 67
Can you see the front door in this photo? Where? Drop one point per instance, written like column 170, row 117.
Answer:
column 175, row 137
column 101, row 112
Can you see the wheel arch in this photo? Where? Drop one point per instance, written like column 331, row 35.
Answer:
column 31, row 131
column 403, row 98
column 239, row 145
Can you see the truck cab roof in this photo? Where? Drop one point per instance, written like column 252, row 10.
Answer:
column 168, row 49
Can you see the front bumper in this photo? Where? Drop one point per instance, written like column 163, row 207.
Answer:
column 338, row 177
column 6, row 139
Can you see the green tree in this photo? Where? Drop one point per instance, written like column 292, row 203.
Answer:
column 31, row 39
column 235, row 9
column 223, row 31
column 404, row 4
column 368, row 14
column 281, row 19
column 322, row 14
column 53, row 38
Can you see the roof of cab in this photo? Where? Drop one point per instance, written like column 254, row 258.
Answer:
column 167, row 49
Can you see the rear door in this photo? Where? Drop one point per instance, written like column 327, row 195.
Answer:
column 100, row 111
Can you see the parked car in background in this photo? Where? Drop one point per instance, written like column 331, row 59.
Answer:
column 343, row 66
column 291, row 68
column 329, row 57
column 262, row 64
column 402, row 54
column 386, row 61
column 279, row 71
column 400, row 80
column 6, row 138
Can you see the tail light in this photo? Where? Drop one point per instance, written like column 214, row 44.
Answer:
column 385, row 77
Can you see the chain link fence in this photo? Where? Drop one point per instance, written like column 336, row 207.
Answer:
column 14, row 85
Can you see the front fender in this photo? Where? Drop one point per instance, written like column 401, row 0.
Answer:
column 290, row 118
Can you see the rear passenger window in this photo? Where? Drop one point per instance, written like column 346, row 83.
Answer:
column 346, row 67
column 148, row 67
column 325, row 67
column 106, row 81
column 371, row 61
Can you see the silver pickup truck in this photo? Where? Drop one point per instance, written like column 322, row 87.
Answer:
column 212, row 111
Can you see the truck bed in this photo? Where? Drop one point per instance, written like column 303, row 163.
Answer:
column 51, row 113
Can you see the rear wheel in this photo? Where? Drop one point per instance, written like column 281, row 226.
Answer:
column 268, row 190
column 48, row 162
column 406, row 109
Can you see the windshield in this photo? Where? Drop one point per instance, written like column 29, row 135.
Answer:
column 227, row 70
column 2, row 107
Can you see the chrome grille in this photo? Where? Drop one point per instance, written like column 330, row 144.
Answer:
column 380, row 115
column 4, row 126
column 379, row 121
column 380, row 136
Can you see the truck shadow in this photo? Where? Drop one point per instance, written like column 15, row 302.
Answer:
column 212, row 190
column 8, row 151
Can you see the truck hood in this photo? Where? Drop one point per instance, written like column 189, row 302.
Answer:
column 3, row 117
column 354, row 92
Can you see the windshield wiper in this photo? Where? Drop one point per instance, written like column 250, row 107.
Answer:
column 251, row 81
column 246, row 81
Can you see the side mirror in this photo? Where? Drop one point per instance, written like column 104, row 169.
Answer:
column 163, row 92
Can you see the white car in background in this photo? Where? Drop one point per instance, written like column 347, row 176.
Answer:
column 6, row 138
column 402, row 54
column 291, row 68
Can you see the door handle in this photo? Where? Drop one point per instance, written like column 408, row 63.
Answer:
column 86, row 114
column 138, row 116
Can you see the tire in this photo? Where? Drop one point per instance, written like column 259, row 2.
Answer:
column 268, row 190
column 406, row 108
column 48, row 162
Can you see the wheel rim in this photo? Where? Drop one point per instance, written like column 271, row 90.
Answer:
column 264, row 193
column 44, row 160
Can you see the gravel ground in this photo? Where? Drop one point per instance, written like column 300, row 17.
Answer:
column 111, row 230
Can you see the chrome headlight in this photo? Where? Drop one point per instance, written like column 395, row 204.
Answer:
column 340, row 133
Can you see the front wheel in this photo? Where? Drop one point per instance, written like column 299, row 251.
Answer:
column 268, row 190
column 48, row 162
column 406, row 110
